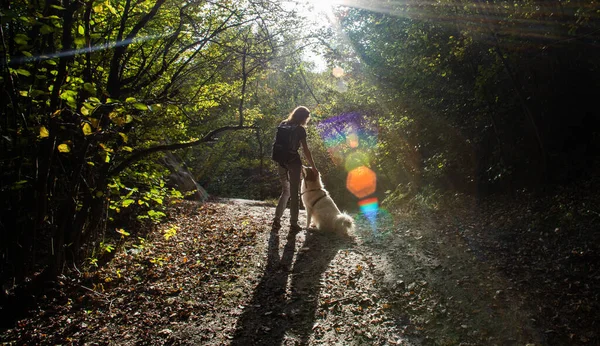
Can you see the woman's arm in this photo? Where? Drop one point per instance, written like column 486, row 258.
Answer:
column 308, row 155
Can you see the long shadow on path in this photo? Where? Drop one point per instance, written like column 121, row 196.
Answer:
column 281, row 311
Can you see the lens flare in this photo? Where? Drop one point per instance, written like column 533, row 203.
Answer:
column 355, row 160
column 336, row 154
column 362, row 182
column 337, row 72
column 346, row 133
column 352, row 140
column 369, row 206
column 341, row 86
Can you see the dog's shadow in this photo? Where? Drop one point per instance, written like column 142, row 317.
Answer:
column 285, row 301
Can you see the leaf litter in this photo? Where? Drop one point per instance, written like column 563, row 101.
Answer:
column 216, row 274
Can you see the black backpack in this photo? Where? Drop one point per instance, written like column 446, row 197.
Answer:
column 284, row 148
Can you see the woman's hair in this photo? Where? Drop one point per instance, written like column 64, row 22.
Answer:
column 299, row 116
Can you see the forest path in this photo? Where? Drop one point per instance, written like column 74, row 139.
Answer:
column 216, row 274
column 396, row 285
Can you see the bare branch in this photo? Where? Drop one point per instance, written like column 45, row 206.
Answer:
column 168, row 147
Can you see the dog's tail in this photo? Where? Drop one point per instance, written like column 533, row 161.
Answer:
column 344, row 223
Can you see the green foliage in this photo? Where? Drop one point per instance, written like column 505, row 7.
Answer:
column 91, row 84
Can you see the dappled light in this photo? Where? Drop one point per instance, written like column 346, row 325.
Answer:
column 144, row 145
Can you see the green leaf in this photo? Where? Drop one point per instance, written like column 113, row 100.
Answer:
column 28, row 20
column 23, row 72
column 140, row 106
column 46, row 29
column 21, row 39
column 126, row 203
column 130, row 100
column 89, row 87
column 36, row 93
column 81, row 30
column 80, row 42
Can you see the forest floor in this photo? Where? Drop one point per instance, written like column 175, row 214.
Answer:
column 508, row 273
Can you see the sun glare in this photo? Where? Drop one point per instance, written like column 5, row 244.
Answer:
column 321, row 6
column 317, row 8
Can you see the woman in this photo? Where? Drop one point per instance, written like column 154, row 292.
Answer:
column 289, row 172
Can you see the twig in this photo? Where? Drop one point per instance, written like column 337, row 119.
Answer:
column 331, row 302
column 94, row 291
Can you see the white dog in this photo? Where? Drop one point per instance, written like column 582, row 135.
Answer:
column 320, row 208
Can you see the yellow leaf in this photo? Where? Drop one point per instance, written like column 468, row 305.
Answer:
column 44, row 132
column 95, row 122
column 64, row 148
column 124, row 136
column 87, row 129
column 105, row 148
column 122, row 232
column 85, row 111
column 110, row 8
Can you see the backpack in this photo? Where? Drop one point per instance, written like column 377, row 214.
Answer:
column 284, row 148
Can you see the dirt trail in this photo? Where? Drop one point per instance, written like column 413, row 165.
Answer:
column 228, row 279
column 386, row 286
column 315, row 288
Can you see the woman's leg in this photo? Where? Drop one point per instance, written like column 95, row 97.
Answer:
column 294, row 174
column 285, row 193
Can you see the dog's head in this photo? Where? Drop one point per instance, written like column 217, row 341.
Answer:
column 308, row 174
column 310, row 178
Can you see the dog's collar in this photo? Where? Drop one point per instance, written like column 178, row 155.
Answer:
column 318, row 199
